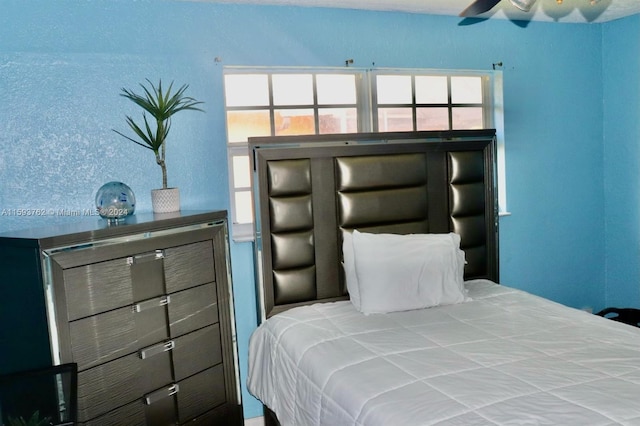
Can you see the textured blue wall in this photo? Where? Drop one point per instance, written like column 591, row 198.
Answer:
column 621, row 63
column 63, row 63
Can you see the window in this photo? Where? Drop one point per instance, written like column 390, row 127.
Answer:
column 428, row 102
column 276, row 102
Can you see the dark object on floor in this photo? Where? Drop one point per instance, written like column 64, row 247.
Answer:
column 626, row 315
column 42, row 396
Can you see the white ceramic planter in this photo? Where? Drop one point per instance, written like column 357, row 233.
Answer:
column 165, row 200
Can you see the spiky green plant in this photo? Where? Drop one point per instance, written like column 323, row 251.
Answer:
column 161, row 106
column 35, row 420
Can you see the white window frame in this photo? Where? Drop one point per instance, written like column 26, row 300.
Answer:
column 367, row 117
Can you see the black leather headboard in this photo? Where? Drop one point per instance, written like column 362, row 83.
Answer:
column 308, row 189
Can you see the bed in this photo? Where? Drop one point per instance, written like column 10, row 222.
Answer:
column 355, row 332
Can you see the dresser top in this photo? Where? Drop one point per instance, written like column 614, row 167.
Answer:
column 95, row 228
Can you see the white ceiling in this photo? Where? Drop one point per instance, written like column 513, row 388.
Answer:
column 570, row 11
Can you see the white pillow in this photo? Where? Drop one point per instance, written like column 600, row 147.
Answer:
column 403, row 272
column 349, row 264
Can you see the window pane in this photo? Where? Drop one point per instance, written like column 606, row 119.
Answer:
column 467, row 118
column 241, row 171
column 466, row 90
column 294, row 122
column 338, row 120
column 395, row 119
column 394, row 89
column 336, row 89
column 242, row 124
column 292, row 89
column 246, row 90
column 244, row 212
column 432, row 119
column 431, row 89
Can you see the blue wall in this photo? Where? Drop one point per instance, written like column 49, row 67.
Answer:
column 621, row 85
column 63, row 63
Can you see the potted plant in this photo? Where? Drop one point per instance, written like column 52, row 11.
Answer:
column 161, row 106
column 34, row 420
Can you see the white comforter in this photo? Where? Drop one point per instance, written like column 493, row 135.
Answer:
column 505, row 358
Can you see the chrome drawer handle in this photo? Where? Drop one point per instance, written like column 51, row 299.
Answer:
column 145, row 257
column 157, row 349
column 152, row 303
column 174, row 389
column 161, row 394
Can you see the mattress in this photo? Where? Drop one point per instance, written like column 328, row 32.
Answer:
column 504, row 358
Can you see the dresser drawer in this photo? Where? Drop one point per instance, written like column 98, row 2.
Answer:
column 117, row 383
column 108, row 285
column 128, row 415
column 189, row 266
column 110, row 335
column 147, row 370
column 222, row 415
column 101, row 338
column 99, row 287
column 201, row 392
column 193, row 309
column 160, row 406
column 197, row 351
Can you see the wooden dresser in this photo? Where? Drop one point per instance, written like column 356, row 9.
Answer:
column 145, row 308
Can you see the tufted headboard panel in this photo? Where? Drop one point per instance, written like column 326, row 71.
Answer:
column 308, row 190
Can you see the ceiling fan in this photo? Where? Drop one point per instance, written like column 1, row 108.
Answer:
column 481, row 6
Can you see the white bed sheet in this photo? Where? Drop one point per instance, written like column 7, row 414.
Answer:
column 505, row 358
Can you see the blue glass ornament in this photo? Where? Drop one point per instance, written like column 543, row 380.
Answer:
column 115, row 201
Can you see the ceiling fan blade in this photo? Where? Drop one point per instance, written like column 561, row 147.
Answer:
column 478, row 7
column 471, row 21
